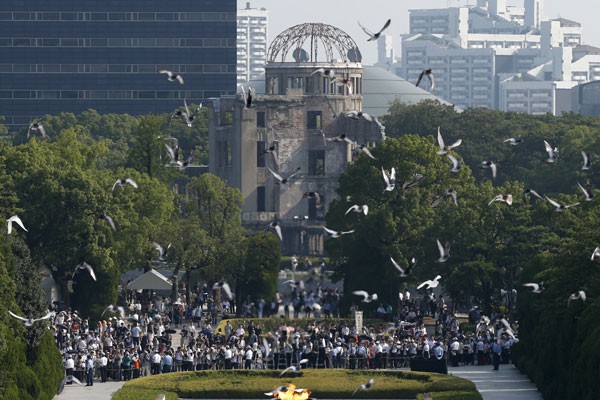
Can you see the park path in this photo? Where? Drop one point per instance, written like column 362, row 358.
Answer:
column 508, row 383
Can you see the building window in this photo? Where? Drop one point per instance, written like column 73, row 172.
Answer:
column 316, row 162
column 273, row 85
column 227, row 117
column 313, row 120
column 229, row 155
column 313, row 207
column 261, row 199
column 260, row 119
column 296, row 82
column 223, row 153
column 260, row 153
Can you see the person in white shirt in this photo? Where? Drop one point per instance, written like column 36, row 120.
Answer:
column 425, row 350
column 454, row 348
column 135, row 334
column 156, row 363
column 248, row 358
column 102, row 363
column 69, row 367
column 227, row 356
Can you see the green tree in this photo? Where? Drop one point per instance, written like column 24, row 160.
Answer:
column 258, row 274
column 146, row 152
column 397, row 221
column 218, row 209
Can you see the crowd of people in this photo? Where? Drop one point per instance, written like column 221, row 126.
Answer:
column 163, row 338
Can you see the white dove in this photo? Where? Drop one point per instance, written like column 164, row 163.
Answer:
column 226, row 288
column 30, row 321
column 559, row 207
column 552, row 152
column 431, row 283
column 36, row 126
column 364, row 386
column 162, row 252
column 390, row 180
column 187, row 116
column 596, row 253
column 530, row 192
column 114, row 309
column 491, row 165
column 444, row 251
column 367, row 298
column 67, row 379
column 456, row 163
column 579, row 295
column 404, row 272
column 18, row 221
column 294, row 368
column 337, row 234
column 587, row 161
column 535, row 287
column 443, row 148
column 451, row 193
column 507, row 198
column 340, row 138
column 359, row 209
column 123, row 182
column 108, row 219
column 375, row 36
column 429, row 74
column 171, row 76
column 514, row 141
column 365, row 149
column 281, row 179
column 325, row 72
column 276, row 390
column 355, row 114
column 589, row 195
column 86, row 266
column 277, row 228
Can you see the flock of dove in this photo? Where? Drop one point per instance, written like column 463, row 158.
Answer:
column 389, row 178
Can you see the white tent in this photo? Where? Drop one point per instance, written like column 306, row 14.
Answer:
column 152, row 279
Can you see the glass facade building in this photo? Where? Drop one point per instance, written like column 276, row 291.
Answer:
column 72, row 55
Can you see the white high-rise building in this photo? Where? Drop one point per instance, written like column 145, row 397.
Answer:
column 498, row 55
column 252, row 26
column 386, row 57
column 534, row 11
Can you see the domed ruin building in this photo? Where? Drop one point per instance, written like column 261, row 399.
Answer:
column 313, row 79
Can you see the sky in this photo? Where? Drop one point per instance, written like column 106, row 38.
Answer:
column 344, row 15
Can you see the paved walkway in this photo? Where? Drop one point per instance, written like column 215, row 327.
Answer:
column 508, row 383
column 100, row 391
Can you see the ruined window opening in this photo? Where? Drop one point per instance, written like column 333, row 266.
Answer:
column 316, row 162
column 313, row 120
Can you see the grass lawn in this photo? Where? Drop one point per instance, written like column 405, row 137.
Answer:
column 323, row 383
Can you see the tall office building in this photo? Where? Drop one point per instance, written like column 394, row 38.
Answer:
column 252, row 24
column 499, row 56
column 71, row 55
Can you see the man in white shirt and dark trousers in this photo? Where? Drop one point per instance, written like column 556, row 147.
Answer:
column 103, row 362
column 69, row 367
column 248, row 358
